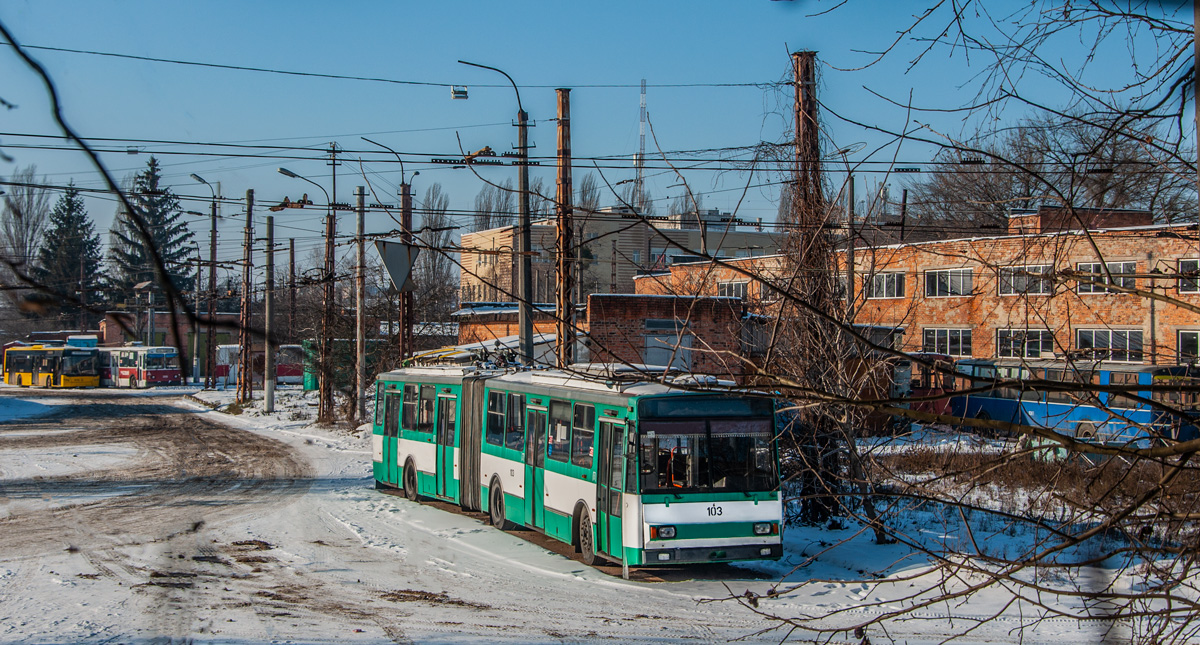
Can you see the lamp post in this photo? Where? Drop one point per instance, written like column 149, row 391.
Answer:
column 525, row 304
column 325, row 386
column 210, row 350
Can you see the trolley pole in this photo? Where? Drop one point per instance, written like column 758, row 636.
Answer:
column 268, row 320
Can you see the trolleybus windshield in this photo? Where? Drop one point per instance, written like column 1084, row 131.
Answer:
column 703, row 444
column 161, row 361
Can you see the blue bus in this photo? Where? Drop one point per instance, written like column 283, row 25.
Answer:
column 1081, row 410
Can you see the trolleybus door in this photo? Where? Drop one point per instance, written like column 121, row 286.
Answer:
column 535, row 469
column 610, row 478
column 447, row 482
column 391, row 437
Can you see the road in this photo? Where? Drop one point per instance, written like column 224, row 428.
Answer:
column 134, row 517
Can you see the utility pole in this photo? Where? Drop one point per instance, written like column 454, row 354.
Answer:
column 291, row 290
column 406, row 297
column 268, row 322
column 196, row 325
column 360, row 298
column 903, row 212
column 210, row 352
column 565, row 314
column 325, row 386
column 245, row 381
column 525, row 312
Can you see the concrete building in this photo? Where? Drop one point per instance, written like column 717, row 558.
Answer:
column 614, row 245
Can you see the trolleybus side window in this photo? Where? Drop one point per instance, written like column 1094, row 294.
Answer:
column 447, row 410
column 1120, row 400
column 390, row 420
column 560, row 430
column 408, row 419
column 425, row 412
column 380, row 395
column 514, row 436
column 631, row 471
column 584, row 435
column 535, row 447
column 495, row 418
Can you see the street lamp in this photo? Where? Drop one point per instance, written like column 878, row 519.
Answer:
column 525, row 310
column 210, row 350
column 325, row 386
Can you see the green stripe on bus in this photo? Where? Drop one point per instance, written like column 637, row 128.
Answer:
column 706, row 498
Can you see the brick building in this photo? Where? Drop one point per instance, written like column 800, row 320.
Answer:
column 692, row 333
column 1128, row 291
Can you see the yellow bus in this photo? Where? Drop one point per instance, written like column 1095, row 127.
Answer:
column 52, row 366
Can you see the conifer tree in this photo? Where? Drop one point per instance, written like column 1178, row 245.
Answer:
column 68, row 262
column 129, row 250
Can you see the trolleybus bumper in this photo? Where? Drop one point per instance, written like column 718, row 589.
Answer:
column 714, row 554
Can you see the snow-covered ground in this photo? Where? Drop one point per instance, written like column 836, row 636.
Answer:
column 361, row 554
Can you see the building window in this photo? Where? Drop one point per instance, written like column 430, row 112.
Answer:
column 948, row 282
column 1122, row 276
column 1190, row 284
column 1114, row 344
column 1024, row 343
column 885, row 285
column 732, row 289
column 1025, row 280
column 952, row 342
column 1189, row 346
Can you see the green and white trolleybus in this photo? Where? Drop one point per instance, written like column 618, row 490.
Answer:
column 640, row 473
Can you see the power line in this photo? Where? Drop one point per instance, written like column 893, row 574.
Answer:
column 373, row 79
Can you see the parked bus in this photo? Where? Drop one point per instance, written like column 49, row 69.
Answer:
column 142, row 367
column 289, row 364
column 52, row 366
column 639, row 473
column 1078, row 410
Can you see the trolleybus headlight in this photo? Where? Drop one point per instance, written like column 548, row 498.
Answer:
column 662, row 532
column 764, row 528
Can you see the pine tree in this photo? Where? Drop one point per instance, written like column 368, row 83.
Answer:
column 68, row 262
column 129, row 251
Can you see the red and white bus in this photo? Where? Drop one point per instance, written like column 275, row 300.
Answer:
column 140, row 366
column 289, row 364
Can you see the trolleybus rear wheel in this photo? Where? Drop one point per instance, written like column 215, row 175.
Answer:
column 587, row 550
column 496, row 508
column 410, row 482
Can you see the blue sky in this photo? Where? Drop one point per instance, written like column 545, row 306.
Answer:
column 541, row 44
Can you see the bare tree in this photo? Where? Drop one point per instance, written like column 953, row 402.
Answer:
column 435, row 273
column 495, row 206
column 22, row 223
column 1046, row 160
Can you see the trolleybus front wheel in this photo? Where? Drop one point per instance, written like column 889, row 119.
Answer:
column 587, row 550
column 496, row 507
column 410, row 482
